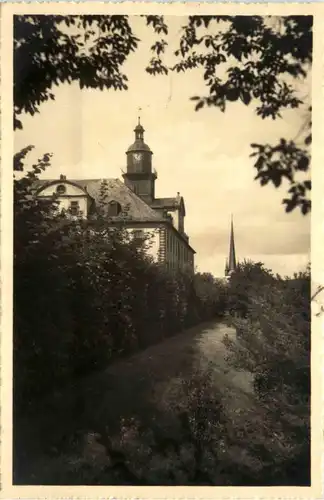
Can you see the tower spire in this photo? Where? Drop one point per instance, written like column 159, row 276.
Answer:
column 231, row 262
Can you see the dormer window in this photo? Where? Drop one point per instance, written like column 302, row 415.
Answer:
column 61, row 189
column 114, row 208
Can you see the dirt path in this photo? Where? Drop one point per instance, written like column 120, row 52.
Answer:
column 140, row 386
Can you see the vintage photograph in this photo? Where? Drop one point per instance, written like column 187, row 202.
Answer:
column 161, row 281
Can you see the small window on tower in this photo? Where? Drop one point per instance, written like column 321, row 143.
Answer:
column 114, row 208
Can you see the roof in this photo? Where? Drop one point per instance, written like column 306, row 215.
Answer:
column 165, row 203
column 135, row 207
column 168, row 203
column 139, row 145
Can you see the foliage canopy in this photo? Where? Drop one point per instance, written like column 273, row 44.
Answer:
column 252, row 59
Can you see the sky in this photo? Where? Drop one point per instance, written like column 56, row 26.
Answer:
column 204, row 155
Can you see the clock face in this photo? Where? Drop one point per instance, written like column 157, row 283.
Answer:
column 137, row 157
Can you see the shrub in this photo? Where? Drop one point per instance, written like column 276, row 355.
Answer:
column 273, row 343
column 244, row 283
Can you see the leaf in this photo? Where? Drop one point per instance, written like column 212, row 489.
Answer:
column 303, row 164
column 290, row 205
column 305, row 208
column 246, row 97
column 232, row 94
column 199, row 105
column 308, row 140
column 276, row 179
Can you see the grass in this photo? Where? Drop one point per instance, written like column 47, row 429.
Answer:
column 60, row 441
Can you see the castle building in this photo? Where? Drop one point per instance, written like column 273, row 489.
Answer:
column 231, row 264
column 131, row 204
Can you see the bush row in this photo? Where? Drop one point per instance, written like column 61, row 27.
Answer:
column 85, row 294
column 272, row 319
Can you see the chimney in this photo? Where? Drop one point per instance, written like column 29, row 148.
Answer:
column 62, row 177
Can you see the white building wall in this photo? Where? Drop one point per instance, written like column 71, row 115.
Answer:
column 175, row 216
column 153, row 235
column 72, row 193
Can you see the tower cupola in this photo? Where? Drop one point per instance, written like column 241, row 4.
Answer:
column 139, row 144
column 139, row 131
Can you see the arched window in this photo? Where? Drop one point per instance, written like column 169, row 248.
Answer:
column 114, row 208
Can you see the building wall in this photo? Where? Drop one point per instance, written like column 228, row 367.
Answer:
column 177, row 253
column 178, row 219
column 153, row 235
column 166, row 245
column 72, row 193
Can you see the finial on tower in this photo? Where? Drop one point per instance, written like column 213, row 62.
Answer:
column 139, row 115
column 139, row 130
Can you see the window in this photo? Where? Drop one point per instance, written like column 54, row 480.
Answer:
column 61, row 189
column 114, row 208
column 74, row 207
column 138, row 234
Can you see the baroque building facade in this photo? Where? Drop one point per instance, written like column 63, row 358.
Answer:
column 132, row 204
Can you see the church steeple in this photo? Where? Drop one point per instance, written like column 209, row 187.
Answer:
column 231, row 262
column 139, row 176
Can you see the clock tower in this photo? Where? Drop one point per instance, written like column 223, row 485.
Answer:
column 139, row 176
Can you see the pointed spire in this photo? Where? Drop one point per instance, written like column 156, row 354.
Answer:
column 231, row 262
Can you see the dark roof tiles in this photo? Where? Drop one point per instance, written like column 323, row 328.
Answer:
column 166, row 203
column 138, row 145
column 134, row 207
